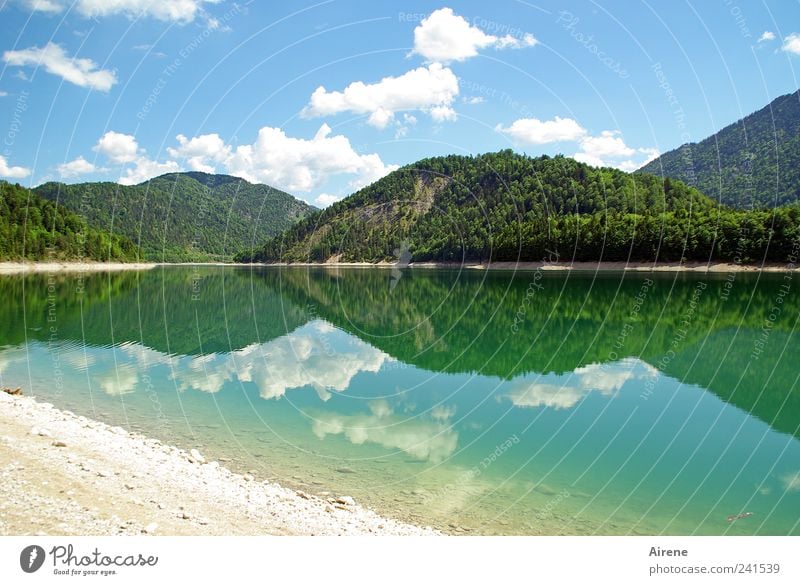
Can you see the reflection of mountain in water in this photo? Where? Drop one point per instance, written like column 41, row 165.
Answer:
column 229, row 321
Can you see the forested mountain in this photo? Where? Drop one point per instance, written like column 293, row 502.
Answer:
column 33, row 228
column 752, row 163
column 506, row 206
column 183, row 216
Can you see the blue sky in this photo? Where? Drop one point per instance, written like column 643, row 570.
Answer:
column 321, row 98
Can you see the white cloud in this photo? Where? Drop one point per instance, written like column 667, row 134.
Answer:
column 118, row 148
column 472, row 100
column 297, row 164
column 145, row 169
column 3, row 93
column 431, row 89
column 76, row 167
column 605, row 149
column 325, row 199
column 609, row 150
column 791, row 482
column 608, row 144
column 81, row 72
column 425, row 440
column 201, row 152
column 51, row 6
column 607, row 379
column 535, row 131
column 167, row 10
column 12, row 172
column 791, row 44
column 444, row 36
column 766, row 36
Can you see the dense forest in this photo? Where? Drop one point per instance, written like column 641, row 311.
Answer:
column 752, row 163
column 33, row 228
column 505, row 206
column 183, row 216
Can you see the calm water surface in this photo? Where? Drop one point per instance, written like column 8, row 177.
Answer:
column 527, row 403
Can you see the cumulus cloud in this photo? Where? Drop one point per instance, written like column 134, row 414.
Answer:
column 166, row 10
column 326, row 199
column 791, row 482
column 605, row 149
column 123, row 149
column 791, row 44
column 145, row 168
column 54, row 60
column 535, row 131
column 118, row 148
column 12, row 172
column 297, row 164
column 201, row 152
column 75, row 168
column 431, row 89
column 294, row 164
column 444, row 36
column 766, row 36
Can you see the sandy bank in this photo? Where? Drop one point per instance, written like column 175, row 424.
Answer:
column 63, row 474
column 19, row 267
column 562, row 266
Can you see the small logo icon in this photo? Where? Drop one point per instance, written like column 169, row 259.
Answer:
column 31, row 558
column 403, row 254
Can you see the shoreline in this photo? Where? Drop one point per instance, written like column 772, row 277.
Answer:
column 698, row 267
column 694, row 267
column 26, row 267
column 64, row 474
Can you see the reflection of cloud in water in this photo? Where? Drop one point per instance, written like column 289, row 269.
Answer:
column 303, row 358
column 427, row 440
column 118, row 381
column 606, row 379
column 791, row 482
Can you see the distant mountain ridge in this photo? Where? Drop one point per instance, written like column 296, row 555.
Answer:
column 505, row 206
column 754, row 162
column 183, row 216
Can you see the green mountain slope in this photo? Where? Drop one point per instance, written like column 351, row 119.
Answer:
column 505, row 206
column 754, row 162
column 184, row 216
column 33, row 228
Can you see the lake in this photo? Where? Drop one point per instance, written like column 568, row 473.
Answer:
column 479, row 402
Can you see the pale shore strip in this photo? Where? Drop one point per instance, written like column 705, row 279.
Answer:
column 721, row 267
column 24, row 267
column 63, row 474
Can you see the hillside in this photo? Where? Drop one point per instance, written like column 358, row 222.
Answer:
column 183, row 216
column 506, row 206
column 754, row 162
column 33, row 228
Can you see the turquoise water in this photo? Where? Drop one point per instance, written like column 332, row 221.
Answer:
column 481, row 402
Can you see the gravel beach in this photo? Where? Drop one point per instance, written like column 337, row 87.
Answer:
column 63, row 474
